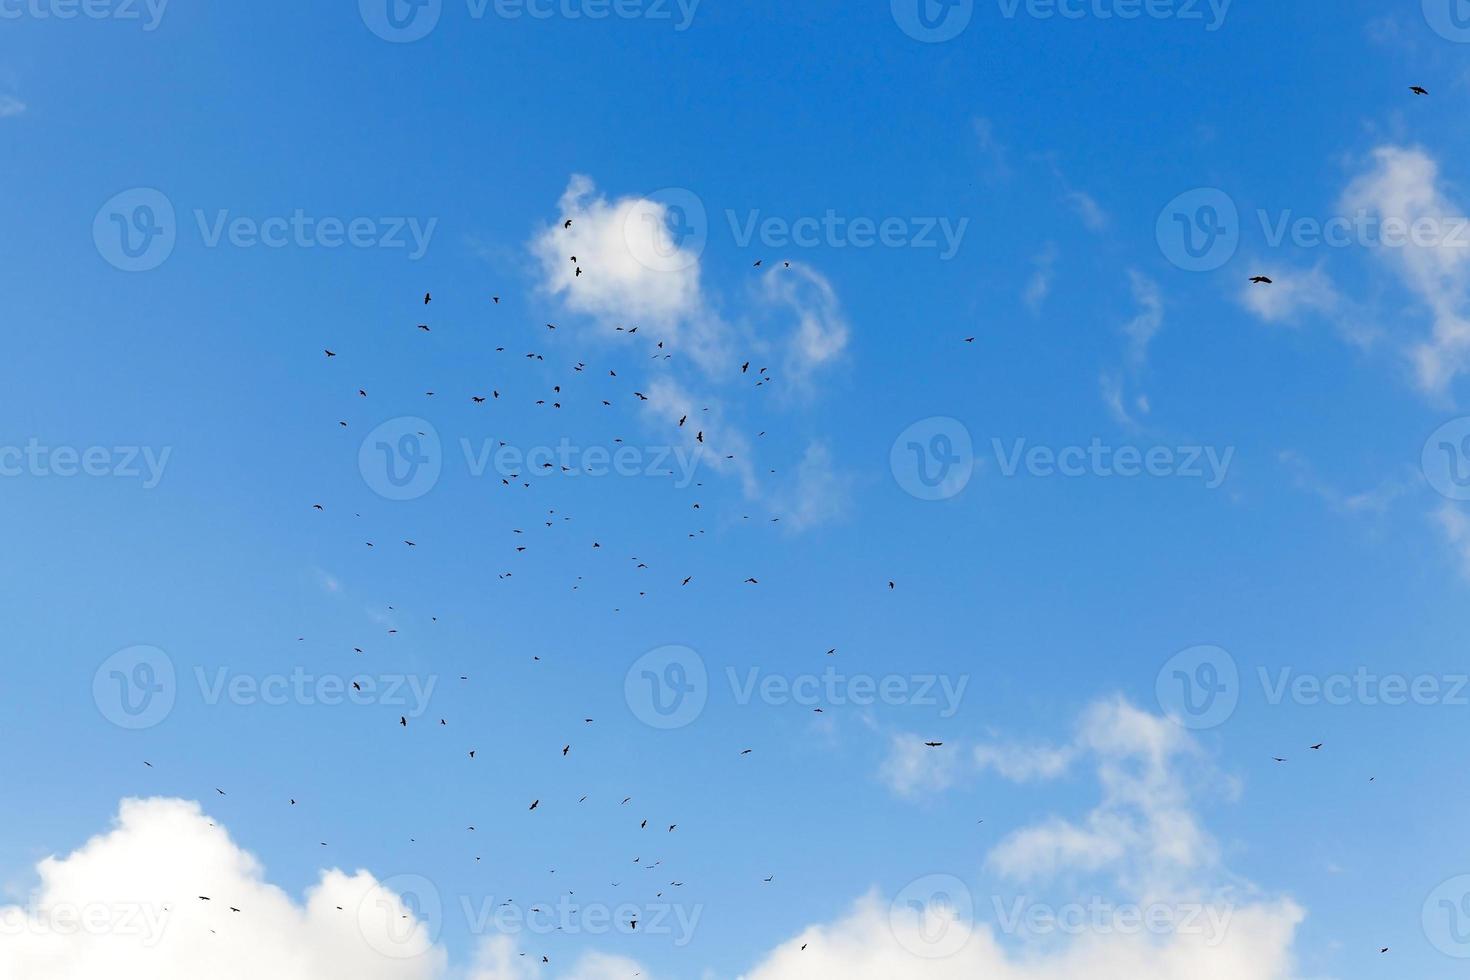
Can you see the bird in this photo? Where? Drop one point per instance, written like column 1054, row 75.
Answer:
column 1419, row 90
column 1261, row 280
column 933, row 745
column 427, row 298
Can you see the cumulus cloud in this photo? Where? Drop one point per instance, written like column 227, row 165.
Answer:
column 639, row 268
column 125, row 905
column 1403, row 188
column 876, row 942
column 634, row 269
column 1142, row 845
column 137, row 887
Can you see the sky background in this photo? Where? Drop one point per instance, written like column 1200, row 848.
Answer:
column 1058, row 150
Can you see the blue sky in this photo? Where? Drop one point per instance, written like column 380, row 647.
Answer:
column 1084, row 193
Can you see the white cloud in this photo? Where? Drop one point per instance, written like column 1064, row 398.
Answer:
column 912, row 767
column 11, row 106
column 126, row 906
column 821, row 331
column 140, row 883
column 1142, row 839
column 1149, row 320
column 1142, row 835
column 1375, row 500
column 634, row 272
column 1144, row 816
column 1091, row 213
column 820, row 492
column 871, row 943
column 1290, row 294
column 632, row 268
column 1403, row 185
column 1025, row 763
column 1038, row 287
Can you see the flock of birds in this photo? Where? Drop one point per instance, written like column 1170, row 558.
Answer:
column 757, row 377
column 762, row 378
